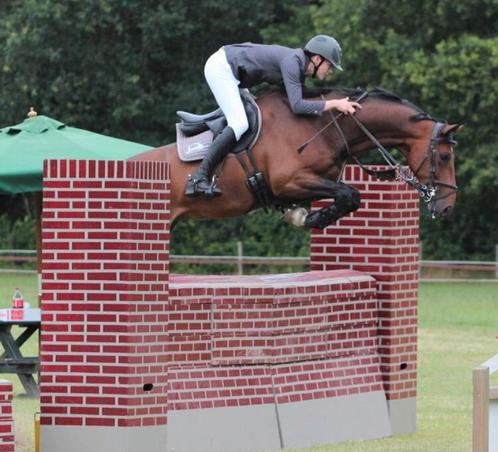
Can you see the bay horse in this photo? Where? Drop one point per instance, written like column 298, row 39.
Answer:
column 295, row 175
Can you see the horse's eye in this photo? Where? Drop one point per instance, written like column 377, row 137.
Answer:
column 445, row 158
column 449, row 138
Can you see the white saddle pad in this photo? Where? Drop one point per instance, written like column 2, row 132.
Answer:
column 193, row 148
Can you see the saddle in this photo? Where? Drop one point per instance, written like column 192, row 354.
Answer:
column 195, row 133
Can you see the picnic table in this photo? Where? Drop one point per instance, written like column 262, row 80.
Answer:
column 12, row 360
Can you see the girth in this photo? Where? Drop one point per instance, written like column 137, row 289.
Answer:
column 255, row 180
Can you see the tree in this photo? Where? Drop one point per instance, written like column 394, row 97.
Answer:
column 117, row 66
column 442, row 56
column 123, row 67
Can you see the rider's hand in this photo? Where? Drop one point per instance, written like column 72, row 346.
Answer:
column 343, row 105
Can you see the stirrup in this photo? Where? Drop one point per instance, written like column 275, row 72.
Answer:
column 192, row 190
column 213, row 191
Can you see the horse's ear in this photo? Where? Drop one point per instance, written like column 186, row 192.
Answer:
column 449, row 131
column 452, row 128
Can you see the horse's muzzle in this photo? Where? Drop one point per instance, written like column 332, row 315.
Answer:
column 446, row 212
column 439, row 214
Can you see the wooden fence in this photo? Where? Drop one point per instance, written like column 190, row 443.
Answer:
column 485, row 408
column 430, row 270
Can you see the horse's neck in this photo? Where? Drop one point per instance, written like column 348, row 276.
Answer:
column 388, row 122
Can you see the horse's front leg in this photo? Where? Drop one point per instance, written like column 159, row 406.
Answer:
column 324, row 217
column 347, row 200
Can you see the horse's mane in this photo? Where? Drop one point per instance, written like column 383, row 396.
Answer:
column 376, row 93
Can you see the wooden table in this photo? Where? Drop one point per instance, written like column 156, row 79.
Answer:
column 12, row 360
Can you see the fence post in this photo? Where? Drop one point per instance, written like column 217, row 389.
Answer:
column 480, row 431
column 240, row 258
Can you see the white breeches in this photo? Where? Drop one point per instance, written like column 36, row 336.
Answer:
column 225, row 88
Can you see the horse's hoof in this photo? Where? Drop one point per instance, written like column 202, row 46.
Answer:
column 296, row 216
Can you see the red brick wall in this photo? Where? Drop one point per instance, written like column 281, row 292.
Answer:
column 382, row 239
column 239, row 341
column 123, row 345
column 104, row 293
column 7, row 440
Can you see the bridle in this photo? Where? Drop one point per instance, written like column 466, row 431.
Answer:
column 432, row 155
column 396, row 171
column 429, row 193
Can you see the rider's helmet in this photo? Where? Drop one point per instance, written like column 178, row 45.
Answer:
column 327, row 47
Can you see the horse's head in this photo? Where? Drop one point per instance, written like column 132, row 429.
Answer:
column 426, row 142
column 431, row 159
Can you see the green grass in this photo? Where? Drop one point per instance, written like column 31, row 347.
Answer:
column 458, row 324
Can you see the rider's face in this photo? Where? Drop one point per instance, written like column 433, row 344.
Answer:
column 324, row 70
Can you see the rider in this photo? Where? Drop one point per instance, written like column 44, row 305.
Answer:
column 247, row 64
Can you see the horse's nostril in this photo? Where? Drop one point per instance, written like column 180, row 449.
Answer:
column 447, row 211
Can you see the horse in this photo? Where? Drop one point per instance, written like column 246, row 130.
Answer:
column 301, row 159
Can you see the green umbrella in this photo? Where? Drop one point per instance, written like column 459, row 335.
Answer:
column 25, row 146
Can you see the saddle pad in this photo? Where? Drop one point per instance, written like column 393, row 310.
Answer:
column 192, row 148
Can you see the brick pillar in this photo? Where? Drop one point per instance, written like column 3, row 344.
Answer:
column 382, row 239
column 105, row 256
column 7, row 440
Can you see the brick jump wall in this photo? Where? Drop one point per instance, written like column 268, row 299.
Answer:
column 133, row 359
column 382, row 239
column 7, row 440
column 267, row 362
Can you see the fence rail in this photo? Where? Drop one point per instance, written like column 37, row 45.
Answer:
column 429, row 269
column 235, row 260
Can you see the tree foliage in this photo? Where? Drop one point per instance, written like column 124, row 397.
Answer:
column 117, row 66
column 442, row 56
column 123, row 67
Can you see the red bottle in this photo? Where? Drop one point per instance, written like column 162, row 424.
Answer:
column 17, row 299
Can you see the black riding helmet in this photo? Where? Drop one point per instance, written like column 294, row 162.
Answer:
column 327, row 47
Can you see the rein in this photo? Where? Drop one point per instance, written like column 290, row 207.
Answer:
column 326, row 126
column 427, row 192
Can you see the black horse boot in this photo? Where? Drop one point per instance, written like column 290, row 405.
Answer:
column 199, row 182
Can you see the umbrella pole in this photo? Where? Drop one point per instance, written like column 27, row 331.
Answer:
column 37, row 199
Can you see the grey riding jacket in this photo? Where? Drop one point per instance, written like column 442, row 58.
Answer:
column 256, row 63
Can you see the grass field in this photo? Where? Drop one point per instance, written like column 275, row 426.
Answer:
column 458, row 323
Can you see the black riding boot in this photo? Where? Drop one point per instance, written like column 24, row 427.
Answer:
column 199, row 182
